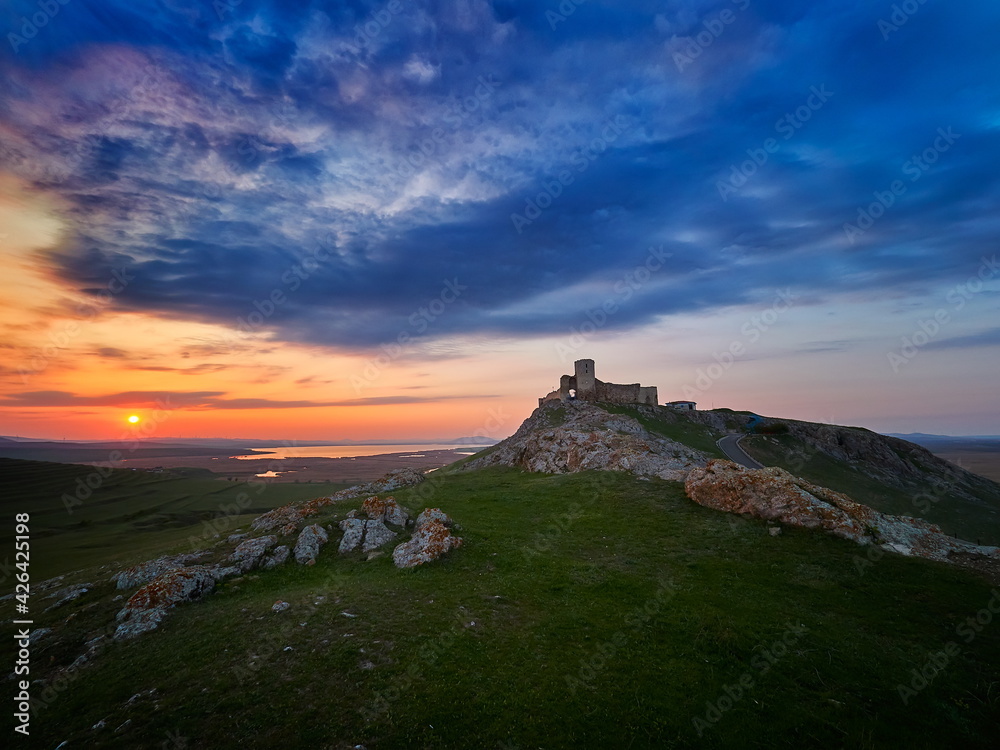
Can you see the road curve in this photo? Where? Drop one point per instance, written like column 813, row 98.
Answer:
column 730, row 445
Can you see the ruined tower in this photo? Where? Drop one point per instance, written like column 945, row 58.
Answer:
column 586, row 382
column 585, row 386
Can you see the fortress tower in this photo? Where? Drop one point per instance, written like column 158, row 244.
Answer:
column 586, row 382
column 584, row 385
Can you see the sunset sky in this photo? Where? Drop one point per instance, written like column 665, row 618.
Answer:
column 402, row 219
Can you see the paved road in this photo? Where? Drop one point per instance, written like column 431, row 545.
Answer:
column 730, row 445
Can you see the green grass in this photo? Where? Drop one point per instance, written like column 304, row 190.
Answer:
column 131, row 515
column 672, row 424
column 608, row 612
column 977, row 521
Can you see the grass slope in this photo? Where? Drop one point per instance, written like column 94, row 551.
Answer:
column 672, row 424
column 82, row 516
column 585, row 610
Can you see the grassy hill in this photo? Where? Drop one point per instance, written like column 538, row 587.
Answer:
column 584, row 610
column 886, row 473
column 82, row 516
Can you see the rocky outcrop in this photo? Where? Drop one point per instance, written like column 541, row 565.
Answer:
column 277, row 557
column 433, row 514
column 364, row 535
column 250, row 552
column 377, row 534
column 309, row 543
column 386, row 510
column 354, row 530
column 287, row 518
column 431, row 539
column 776, row 495
column 564, row 437
column 139, row 575
column 68, row 594
column 147, row 607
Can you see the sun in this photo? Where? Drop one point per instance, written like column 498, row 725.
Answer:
column 134, row 419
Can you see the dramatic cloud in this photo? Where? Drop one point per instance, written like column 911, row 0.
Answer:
column 332, row 169
column 193, row 400
column 259, row 185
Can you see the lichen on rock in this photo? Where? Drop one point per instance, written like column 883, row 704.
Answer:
column 310, row 540
column 147, row 607
column 776, row 495
column 431, row 539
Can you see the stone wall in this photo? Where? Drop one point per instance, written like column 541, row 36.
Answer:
column 585, row 386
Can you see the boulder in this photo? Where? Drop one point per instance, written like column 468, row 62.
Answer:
column 394, row 480
column 429, row 542
column 386, row 510
column 287, row 517
column 68, row 594
column 776, row 495
column 224, row 571
column 147, row 607
column 432, row 514
column 354, row 531
column 139, row 575
column 308, row 545
column 277, row 557
column 250, row 553
column 376, row 535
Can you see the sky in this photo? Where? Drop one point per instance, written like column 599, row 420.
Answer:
column 323, row 220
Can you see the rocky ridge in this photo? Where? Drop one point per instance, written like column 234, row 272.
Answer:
column 172, row 580
column 560, row 438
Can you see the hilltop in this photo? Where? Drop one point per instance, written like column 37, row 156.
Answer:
column 592, row 603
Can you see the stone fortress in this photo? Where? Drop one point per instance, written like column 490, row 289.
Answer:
column 583, row 385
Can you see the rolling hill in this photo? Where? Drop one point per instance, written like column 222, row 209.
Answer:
column 589, row 606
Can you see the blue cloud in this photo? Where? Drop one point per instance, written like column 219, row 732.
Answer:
column 220, row 151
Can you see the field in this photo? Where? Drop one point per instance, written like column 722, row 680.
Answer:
column 980, row 456
column 131, row 515
column 584, row 610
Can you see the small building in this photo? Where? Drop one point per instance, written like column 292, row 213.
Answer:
column 584, row 385
column 682, row 405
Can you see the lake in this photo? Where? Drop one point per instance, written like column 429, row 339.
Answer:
column 349, row 451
